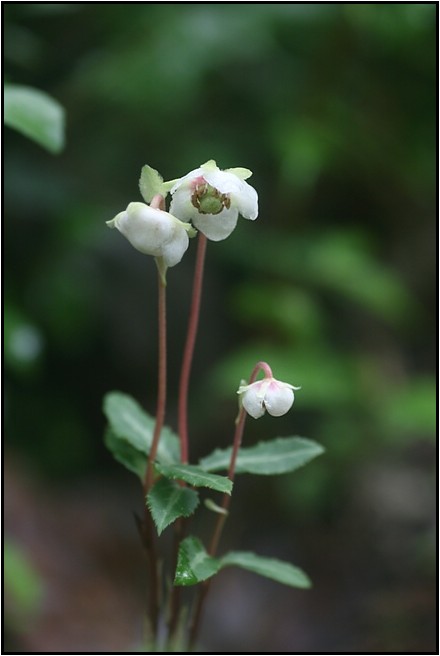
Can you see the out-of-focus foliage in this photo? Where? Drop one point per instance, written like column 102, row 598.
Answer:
column 36, row 115
column 333, row 108
column 23, row 587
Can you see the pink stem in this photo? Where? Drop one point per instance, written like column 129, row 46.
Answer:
column 221, row 519
column 162, row 384
column 158, row 202
column 189, row 348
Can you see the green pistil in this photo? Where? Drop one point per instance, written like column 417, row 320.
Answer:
column 208, row 200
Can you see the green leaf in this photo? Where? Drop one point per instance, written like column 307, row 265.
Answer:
column 36, row 115
column 151, row 183
column 193, row 563
column 131, row 424
column 125, row 453
column 278, row 456
column 271, row 568
column 196, row 476
column 167, row 501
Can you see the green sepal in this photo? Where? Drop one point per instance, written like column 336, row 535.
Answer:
column 151, row 183
column 168, row 501
column 195, row 476
column 279, row 456
column 240, row 172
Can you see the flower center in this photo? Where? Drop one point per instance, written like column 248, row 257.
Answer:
column 208, row 199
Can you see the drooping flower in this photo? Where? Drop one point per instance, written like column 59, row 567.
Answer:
column 153, row 232
column 267, row 394
column 212, row 199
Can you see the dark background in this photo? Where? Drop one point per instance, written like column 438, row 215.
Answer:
column 333, row 108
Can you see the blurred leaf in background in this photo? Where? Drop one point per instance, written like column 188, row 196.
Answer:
column 34, row 114
column 23, row 587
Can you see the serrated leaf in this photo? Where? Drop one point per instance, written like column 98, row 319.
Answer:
column 167, row 501
column 36, row 115
column 278, row 456
column 125, row 453
column 271, row 568
column 130, row 423
column 194, row 564
column 196, row 476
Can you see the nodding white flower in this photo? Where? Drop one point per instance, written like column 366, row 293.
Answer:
column 153, row 232
column 212, row 199
column 267, row 394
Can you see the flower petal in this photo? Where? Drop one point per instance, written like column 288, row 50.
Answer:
column 278, row 399
column 226, row 183
column 173, row 251
column 246, row 201
column 242, row 195
column 253, row 403
column 185, row 181
column 145, row 228
column 181, row 205
column 216, row 226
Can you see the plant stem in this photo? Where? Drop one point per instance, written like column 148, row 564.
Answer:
column 189, row 347
column 175, row 594
column 238, row 436
column 221, row 519
column 148, row 527
column 188, row 354
column 162, row 383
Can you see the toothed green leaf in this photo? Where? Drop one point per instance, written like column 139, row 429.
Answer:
column 167, row 501
column 193, row 563
column 196, row 476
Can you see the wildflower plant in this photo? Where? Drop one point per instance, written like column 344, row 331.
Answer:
column 205, row 205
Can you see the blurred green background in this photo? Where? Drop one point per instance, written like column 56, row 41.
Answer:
column 333, row 108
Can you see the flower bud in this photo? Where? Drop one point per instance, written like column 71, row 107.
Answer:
column 267, row 394
column 153, row 232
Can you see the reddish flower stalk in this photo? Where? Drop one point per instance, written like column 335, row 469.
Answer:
column 189, row 347
column 221, row 519
column 148, row 528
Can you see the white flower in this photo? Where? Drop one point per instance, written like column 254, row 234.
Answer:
column 267, row 394
column 153, row 232
column 212, row 199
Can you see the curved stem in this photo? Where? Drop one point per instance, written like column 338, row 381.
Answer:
column 221, row 519
column 189, row 347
